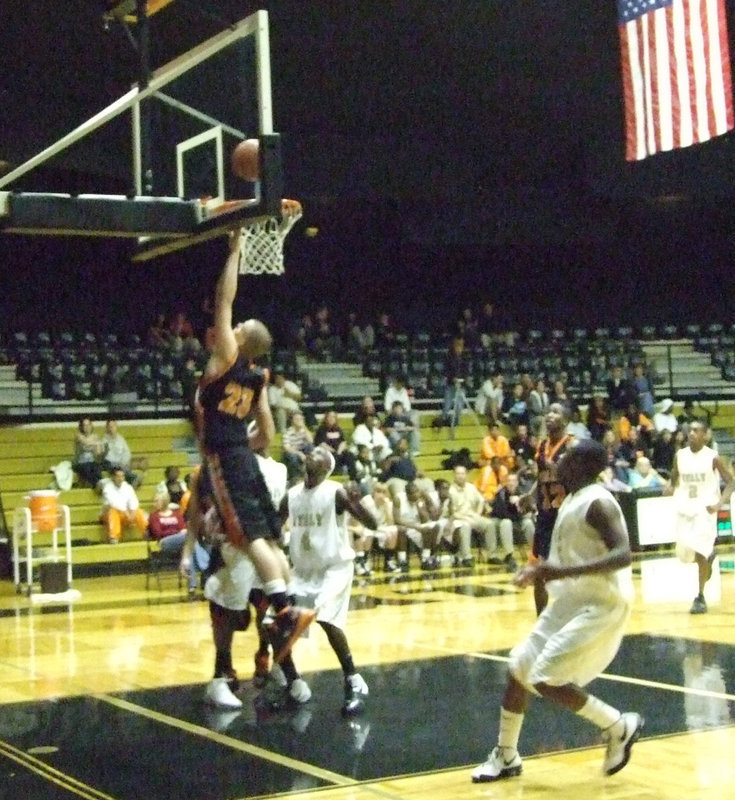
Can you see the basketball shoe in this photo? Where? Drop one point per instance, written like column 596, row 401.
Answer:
column 356, row 690
column 620, row 738
column 219, row 694
column 497, row 767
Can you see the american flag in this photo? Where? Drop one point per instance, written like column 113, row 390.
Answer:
column 676, row 73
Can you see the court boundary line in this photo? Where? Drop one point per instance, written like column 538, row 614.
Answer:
column 47, row 772
column 334, row 778
column 604, row 676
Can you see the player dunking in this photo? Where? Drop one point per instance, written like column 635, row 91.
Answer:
column 231, row 389
column 579, row 633
column 549, row 491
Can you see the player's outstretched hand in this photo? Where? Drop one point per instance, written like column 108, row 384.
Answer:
column 529, row 573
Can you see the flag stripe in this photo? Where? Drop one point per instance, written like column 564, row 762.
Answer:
column 677, row 85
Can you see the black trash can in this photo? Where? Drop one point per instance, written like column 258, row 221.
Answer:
column 53, row 577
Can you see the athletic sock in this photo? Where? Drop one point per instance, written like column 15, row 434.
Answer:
column 425, row 553
column 402, row 557
column 599, row 713
column 510, row 729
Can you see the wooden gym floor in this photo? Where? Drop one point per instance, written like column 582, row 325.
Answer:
column 102, row 698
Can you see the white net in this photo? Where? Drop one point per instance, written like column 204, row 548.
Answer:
column 261, row 249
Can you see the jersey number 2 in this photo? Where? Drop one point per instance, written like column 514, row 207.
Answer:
column 237, row 400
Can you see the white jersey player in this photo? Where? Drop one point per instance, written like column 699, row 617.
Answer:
column 322, row 559
column 578, row 634
column 695, row 482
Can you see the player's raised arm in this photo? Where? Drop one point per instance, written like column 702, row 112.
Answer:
column 224, row 344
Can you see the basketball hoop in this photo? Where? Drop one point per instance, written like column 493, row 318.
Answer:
column 261, row 249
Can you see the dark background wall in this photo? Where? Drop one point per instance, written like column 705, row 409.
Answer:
column 448, row 153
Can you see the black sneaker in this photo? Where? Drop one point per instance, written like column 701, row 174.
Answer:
column 403, row 566
column 699, row 606
column 431, row 562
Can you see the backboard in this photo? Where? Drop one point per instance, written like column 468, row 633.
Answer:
column 185, row 118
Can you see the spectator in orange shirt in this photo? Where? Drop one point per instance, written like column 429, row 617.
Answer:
column 491, row 478
column 495, row 445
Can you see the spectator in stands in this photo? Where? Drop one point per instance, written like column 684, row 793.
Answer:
column 385, row 335
column 613, row 483
column 158, row 333
column 455, row 372
column 469, row 328
column 662, row 452
column 598, row 417
column 166, row 524
column 517, row 413
column 467, row 514
column 643, row 476
column 576, row 427
column 486, row 325
column 326, row 344
column 88, row 451
column 618, row 465
column 173, row 485
column 507, row 519
column 491, row 478
column 359, row 337
column 297, row 442
column 116, row 453
column 305, row 334
column 490, row 398
column 643, row 388
column 180, row 330
column 367, row 471
column 495, row 445
column 367, row 407
column 628, row 451
column 664, row 419
column 283, row 396
column 121, row 508
column 399, row 425
column 635, row 418
column 689, row 415
column 399, row 468
column 559, row 394
column 523, row 446
column 398, row 391
column 538, row 405
column 330, row 434
column 620, row 392
column 369, row 433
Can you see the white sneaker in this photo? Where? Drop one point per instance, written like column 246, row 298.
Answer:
column 219, row 694
column 300, row 691
column 358, row 684
column 498, row 766
column 620, row 738
column 278, row 676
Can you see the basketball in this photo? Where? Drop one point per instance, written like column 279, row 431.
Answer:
column 245, row 162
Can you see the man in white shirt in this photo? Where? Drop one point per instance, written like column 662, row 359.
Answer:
column 664, row 419
column 489, row 400
column 369, row 434
column 398, row 393
column 120, row 507
column 283, row 396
